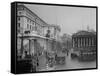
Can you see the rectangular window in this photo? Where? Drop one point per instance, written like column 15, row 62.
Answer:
column 18, row 28
column 27, row 20
column 30, row 27
column 18, row 18
column 33, row 23
column 27, row 26
column 30, row 21
column 20, row 12
column 18, row 25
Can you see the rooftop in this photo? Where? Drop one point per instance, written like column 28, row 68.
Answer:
column 84, row 33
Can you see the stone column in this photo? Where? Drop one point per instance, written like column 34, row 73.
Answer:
column 77, row 41
column 29, row 46
column 32, row 47
column 81, row 41
column 73, row 42
column 22, row 40
column 89, row 41
column 86, row 42
column 35, row 46
column 92, row 42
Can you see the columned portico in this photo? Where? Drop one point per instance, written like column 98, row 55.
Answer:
column 83, row 41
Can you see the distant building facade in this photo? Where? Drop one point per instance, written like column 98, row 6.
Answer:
column 84, row 39
column 84, row 42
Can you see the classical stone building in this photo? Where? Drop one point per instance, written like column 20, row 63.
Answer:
column 84, row 42
column 31, row 35
column 28, row 22
column 84, row 39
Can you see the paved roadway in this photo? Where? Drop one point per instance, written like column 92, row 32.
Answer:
column 71, row 64
column 75, row 64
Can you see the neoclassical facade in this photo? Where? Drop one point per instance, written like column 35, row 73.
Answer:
column 27, row 20
column 31, row 36
column 84, row 41
column 35, row 37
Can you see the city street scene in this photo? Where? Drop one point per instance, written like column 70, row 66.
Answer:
column 51, row 38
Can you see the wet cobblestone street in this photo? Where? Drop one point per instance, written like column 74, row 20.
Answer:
column 71, row 64
column 75, row 64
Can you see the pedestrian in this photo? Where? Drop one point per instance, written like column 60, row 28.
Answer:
column 67, row 52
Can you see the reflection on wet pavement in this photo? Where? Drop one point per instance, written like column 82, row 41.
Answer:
column 75, row 64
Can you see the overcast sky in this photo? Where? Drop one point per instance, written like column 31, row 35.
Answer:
column 70, row 19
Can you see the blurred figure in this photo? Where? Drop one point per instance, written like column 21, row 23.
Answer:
column 48, row 34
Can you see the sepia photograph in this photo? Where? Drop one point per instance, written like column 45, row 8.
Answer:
column 55, row 38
